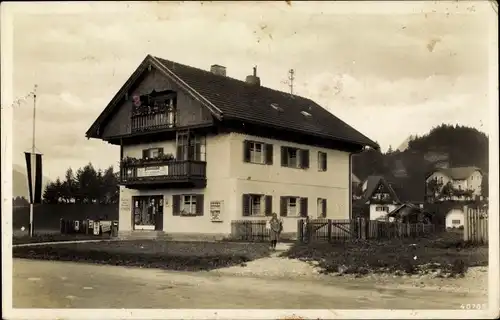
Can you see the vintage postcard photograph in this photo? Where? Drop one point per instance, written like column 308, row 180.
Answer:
column 250, row 160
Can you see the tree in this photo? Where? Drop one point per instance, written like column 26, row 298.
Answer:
column 109, row 187
column 433, row 189
column 485, row 187
column 20, row 202
column 389, row 151
column 87, row 186
column 50, row 194
column 69, row 186
column 447, row 192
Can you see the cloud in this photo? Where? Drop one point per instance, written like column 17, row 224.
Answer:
column 373, row 70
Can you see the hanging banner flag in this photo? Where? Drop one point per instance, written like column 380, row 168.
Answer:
column 34, row 182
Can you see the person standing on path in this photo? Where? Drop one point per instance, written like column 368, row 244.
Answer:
column 276, row 226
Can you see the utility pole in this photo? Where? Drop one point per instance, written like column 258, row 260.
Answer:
column 33, row 161
column 291, row 77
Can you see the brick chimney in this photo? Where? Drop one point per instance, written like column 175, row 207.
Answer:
column 253, row 79
column 219, row 70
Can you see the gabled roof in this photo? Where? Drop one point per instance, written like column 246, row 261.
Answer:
column 231, row 99
column 458, row 173
column 372, row 183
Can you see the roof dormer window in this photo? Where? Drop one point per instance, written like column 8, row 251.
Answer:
column 276, row 107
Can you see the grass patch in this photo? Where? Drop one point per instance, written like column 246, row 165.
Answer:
column 56, row 237
column 443, row 255
column 182, row 256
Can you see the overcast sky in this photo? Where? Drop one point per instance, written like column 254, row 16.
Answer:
column 387, row 74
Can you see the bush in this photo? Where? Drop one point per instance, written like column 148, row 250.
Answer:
column 446, row 252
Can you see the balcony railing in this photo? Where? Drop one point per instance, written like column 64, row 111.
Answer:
column 152, row 122
column 163, row 172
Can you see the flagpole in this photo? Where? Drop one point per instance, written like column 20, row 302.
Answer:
column 33, row 160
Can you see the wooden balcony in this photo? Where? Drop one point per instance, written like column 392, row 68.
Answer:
column 164, row 174
column 151, row 122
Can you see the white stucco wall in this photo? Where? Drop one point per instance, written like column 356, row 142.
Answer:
column 474, row 182
column 454, row 214
column 229, row 177
column 278, row 181
column 218, row 189
column 374, row 214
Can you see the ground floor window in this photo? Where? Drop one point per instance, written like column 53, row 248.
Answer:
column 321, row 208
column 382, row 209
column 293, row 207
column 455, row 222
column 257, row 205
column 188, row 205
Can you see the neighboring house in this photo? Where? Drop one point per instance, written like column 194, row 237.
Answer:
column 461, row 179
column 455, row 218
column 199, row 149
column 410, row 213
column 379, row 195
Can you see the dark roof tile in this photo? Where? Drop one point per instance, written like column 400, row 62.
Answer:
column 239, row 100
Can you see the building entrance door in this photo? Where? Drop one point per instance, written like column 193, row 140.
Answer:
column 147, row 213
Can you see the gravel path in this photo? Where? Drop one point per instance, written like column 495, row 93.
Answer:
column 475, row 281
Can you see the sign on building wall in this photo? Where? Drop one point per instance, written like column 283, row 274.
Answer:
column 216, row 210
column 125, row 204
column 152, row 171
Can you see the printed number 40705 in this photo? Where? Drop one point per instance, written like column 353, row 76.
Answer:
column 473, row 306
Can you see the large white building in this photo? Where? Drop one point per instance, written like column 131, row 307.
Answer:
column 199, row 149
column 460, row 179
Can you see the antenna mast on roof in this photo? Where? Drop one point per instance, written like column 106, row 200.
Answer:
column 291, row 77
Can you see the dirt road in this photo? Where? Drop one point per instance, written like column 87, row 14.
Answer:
column 47, row 284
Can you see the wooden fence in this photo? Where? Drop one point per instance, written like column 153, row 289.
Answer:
column 332, row 230
column 344, row 230
column 476, row 225
column 249, row 230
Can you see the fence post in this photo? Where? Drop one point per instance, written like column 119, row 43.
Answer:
column 363, row 228
column 466, row 223
column 300, row 230
column 329, row 230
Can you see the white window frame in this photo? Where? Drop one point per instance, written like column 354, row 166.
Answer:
column 255, row 155
column 289, row 157
column 320, row 212
column 293, row 207
column 188, row 204
column 382, row 209
column 256, row 205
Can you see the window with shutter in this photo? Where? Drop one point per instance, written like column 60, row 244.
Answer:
column 294, row 158
column 199, row 205
column 303, row 207
column 321, row 213
column 246, row 205
column 269, row 154
column 176, row 205
column 246, row 151
column 188, row 205
column 304, row 159
column 283, row 206
column 292, row 206
column 269, row 205
column 322, row 161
